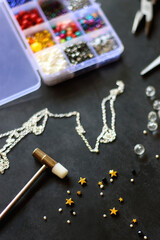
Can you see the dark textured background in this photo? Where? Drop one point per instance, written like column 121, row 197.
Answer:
column 84, row 94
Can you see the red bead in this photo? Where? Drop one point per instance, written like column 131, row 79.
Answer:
column 39, row 20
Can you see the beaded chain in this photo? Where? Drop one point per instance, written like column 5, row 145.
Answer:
column 32, row 126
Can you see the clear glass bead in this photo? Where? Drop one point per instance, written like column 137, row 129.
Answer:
column 139, row 149
column 152, row 116
column 150, row 91
column 156, row 104
column 152, row 126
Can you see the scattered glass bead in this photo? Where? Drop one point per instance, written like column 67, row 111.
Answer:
column 53, row 9
column 139, row 149
column 150, row 91
column 78, row 53
column 91, row 22
column 51, row 60
column 156, row 104
column 152, row 116
column 104, row 43
column 152, row 126
column 104, row 215
column 77, row 4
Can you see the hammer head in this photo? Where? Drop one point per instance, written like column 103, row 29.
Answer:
column 57, row 168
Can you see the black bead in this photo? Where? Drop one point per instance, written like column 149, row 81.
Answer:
column 140, row 233
column 134, row 172
column 104, row 180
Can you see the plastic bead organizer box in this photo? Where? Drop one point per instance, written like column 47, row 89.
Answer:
column 57, row 39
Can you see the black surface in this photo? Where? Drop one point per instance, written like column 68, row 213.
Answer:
column 84, row 94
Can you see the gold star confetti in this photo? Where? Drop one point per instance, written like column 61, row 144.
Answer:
column 113, row 211
column 113, row 173
column 134, row 220
column 121, row 199
column 82, row 181
column 69, row 201
column 100, row 183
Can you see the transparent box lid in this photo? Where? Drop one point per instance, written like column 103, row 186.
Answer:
column 18, row 76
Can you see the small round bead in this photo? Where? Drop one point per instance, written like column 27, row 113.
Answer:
column 104, row 215
column 139, row 149
column 145, row 132
column 150, row 91
column 101, row 186
column 45, row 218
column 131, row 225
column 140, row 233
column 152, row 126
column 157, row 156
column 60, row 210
column 68, row 191
column 111, row 180
column 132, row 180
column 101, row 193
column 145, row 237
column 79, row 193
column 74, row 213
column 68, row 221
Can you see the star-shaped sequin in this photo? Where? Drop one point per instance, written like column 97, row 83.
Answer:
column 113, row 173
column 113, row 211
column 69, row 201
column 121, row 199
column 82, row 181
column 134, row 220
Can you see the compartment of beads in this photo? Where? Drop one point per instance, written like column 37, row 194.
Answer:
column 65, row 28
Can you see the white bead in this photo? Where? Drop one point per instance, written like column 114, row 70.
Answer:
column 145, row 132
column 131, row 225
column 132, row 180
column 101, row 193
column 68, row 191
column 68, row 221
column 152, row 126
column 111, row 180
column 150, row 91
column 104, row 215
column 102, row 186
column 74, row 213
column 145, row 237
column 156, row 104
column 157, row 156
column 152, row 116
column 60, row 210
column 45, row 218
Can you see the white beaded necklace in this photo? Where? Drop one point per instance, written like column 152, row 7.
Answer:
column 31, row 126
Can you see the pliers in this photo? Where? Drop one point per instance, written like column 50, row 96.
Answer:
column 146, row 10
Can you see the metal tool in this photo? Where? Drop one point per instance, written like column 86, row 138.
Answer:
column 146, row 10
column 151, row 66
column 47, row 161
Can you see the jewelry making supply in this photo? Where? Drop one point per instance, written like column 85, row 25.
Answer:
column 78, row 53
column 40, row 40
column 68, row 221
column 91, row 22
column 14, row 3
column 113, row 173
column 102, row 186
column 36, row 125
column 66, row 31
column 73, row 213
column 60, row 210
column 101, row 194
column 111, row 180
column 134, row 220
column 140, row 233
column 159, row 113
column 79, row 193
column 139, row 149
column 82, row 181
column 131, row 225
column 100, row 183
column 121, row 199
column 157, row 156
column 150, row 91
column 145, row 132
column 132, row 180
column 113, row 211
column 156, row 105
column 104, row 43
column 29, row 18
column 68, row 191
column 145, row 237
column 77, row 4
column 152, row 116
column 69, row 201
column 104, row 215
column 45, row 218
column 152, row 126
column 53, row 9
column 51, row 60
